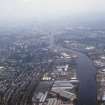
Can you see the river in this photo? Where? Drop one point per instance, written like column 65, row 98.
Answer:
column 86, row 73
column 87, row 76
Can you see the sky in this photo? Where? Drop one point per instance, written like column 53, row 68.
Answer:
column 46, row 9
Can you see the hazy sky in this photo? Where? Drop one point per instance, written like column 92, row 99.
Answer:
column 26, row 9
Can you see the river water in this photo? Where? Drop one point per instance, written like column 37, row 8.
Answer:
column 86, row 73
